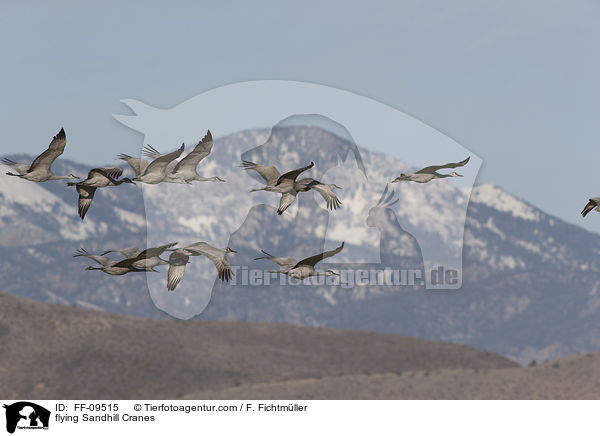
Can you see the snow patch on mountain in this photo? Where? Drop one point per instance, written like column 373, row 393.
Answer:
column 500, row 200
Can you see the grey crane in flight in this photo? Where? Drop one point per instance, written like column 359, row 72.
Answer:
column 107, row 262
column 118, row 269
column 593, row 203
column 100, row 259
column 40, row 170
column 151, row 172
column 179, row 258
column 289, row 187
column 97, row 178
column 429, row 173
column 185, row 171
column 303, row 269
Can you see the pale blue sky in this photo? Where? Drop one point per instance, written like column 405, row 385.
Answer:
column 515, row 83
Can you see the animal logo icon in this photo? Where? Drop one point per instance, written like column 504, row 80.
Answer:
column 26, row 415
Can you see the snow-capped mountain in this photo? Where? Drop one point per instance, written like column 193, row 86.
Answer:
column 529, row 285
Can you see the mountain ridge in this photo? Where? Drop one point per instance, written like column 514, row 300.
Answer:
column 529, row 278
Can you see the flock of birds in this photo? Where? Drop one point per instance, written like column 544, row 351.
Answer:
column 166, row 168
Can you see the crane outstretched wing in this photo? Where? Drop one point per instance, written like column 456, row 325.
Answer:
column 160, row 163
column 434, row 168
column 216, row 256
column 109, row 172
column 592, row 204
column 86, row 196
column 55, row 149
column 286, row 200
column 291, row 175
column 202, row 149
column 327, row 193
column 155, row 251
column 269, row 173
column 177, row 263
column 313, row 260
